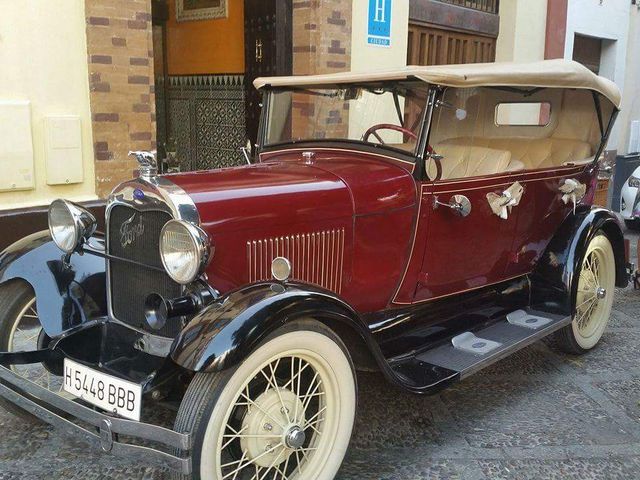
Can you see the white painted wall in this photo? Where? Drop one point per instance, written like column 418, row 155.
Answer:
column 608, row 20
column 43, row 59
column 630, row 110
column 523, row 25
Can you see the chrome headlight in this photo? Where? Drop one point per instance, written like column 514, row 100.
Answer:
column 185, row 250
column 634, row 181
column 70, row 224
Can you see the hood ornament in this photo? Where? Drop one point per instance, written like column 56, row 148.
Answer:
column 147, row 162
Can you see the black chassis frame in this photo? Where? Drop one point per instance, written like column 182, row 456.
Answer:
column 71, row 299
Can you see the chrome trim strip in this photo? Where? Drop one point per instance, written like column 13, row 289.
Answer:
column 49, row 402
column 315, row 257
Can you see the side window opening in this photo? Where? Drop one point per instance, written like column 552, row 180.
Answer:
column 523, row 114
column 493, row 130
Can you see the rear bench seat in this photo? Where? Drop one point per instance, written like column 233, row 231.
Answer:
column 531, row 153
column 460, row 161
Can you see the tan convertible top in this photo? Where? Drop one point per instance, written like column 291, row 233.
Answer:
column 546, row 73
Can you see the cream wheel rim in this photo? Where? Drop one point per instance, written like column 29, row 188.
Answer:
column 594, row 297
column 283, row 421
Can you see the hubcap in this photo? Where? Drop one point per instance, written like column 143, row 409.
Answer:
column 601, row 293
column 295, row 437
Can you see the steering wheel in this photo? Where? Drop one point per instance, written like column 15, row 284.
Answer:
column 387, row 126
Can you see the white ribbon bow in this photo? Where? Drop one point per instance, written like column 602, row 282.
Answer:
column 501, row 204
column 573, row 191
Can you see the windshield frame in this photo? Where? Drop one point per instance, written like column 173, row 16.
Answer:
column 421, row 130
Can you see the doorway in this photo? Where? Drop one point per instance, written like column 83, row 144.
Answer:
column 206, row 106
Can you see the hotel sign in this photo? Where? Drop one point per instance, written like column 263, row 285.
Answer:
column 379, row 27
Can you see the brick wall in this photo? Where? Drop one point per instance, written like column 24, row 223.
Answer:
column 321, row 44
column 120, row 57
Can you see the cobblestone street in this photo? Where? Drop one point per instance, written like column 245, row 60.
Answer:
column 539, row 414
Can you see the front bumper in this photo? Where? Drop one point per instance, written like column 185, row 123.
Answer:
column 100, row 430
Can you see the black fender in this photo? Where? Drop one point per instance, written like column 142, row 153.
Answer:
column 69, row 292
column 228, row 330
column 554, row 280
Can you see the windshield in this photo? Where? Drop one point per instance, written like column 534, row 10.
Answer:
column 382, row 115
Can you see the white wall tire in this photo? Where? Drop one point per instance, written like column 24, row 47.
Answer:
column 247, row 421
column 593, row 299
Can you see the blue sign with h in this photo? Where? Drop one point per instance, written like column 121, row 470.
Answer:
column 379, row 31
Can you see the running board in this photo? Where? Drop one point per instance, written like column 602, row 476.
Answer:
column 469, row 352
column 427, row 371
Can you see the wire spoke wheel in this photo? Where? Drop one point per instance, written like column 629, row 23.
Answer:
column 285, row 412
column 277, row 421
column 24, row 336
column 594, row 296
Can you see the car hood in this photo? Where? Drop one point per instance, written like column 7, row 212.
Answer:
column 268, row 193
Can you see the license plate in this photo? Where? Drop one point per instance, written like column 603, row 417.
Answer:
column 104, row 391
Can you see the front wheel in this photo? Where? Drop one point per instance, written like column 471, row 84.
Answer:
column 593, row 299
column 287, row 411
column 20, row 330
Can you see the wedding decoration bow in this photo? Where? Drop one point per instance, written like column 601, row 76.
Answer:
column 501, row 204
column 573, row 191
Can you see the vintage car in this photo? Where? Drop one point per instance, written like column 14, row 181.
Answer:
column 424, row 222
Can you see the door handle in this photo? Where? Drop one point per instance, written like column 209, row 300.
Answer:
column 458, row 203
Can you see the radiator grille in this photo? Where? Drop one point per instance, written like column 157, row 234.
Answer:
column 131, row 284
column 315, row 257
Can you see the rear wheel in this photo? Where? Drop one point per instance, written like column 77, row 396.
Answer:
column 286, row 412
column 594, row 298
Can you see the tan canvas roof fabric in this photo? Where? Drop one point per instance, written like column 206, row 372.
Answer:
column 546, row 73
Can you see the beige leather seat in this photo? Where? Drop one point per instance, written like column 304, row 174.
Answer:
column 461, row 161
column 533, row 153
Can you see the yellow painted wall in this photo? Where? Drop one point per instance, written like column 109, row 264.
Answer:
column 523, row 25
column 43, row 59
column 206, row 46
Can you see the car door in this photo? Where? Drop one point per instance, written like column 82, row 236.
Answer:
column 542, row 212
column 465, row 252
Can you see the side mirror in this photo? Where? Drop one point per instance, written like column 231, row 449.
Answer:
column 247, row 151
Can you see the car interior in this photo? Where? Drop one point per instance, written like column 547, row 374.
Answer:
column 492, row 130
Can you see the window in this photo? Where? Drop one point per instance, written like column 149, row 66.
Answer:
column 383, row 115
column 493, row 130
column 525, row 114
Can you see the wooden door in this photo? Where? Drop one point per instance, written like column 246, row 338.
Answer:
column 267, row 27
column 435, row 46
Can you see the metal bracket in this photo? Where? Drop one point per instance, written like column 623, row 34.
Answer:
column 106, row 436
column 458, row 203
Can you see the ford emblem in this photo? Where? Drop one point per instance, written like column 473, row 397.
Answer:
column 138, row 194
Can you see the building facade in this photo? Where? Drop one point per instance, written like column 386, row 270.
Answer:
column 110, row 76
